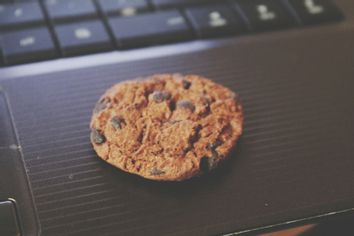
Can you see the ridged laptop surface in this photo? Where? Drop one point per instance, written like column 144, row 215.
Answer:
column 294, row 160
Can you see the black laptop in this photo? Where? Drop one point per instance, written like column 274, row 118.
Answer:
column 291, row 61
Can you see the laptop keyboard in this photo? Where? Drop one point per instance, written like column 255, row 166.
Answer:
column 35, row 30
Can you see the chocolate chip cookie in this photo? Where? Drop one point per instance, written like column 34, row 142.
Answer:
column 166, row 127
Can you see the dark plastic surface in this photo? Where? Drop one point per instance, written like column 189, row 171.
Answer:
column 83, row 37
column 150, row 28
column 215, row 20
column 120, row 7
column 20, row 14
column 14, row 187
column 7, row 136
column 26, row 45
column 266, row 14
column 176, row 3
column 295, row 159
column 316, row 11
column 64, row 10
column 146, row 28
column 8, row 219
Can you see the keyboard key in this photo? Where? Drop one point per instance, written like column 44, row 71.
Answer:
column 20, row 14
column 177, row 3
column 27, row 45
column 316, row 11
column 83, row 37
column 266, row 14
column 214, row 20
column 63, row 10
column 123, row 7
column 150, row 28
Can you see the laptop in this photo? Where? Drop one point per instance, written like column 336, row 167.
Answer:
column 291, row 62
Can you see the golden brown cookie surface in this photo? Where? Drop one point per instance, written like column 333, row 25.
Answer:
column 166, row 127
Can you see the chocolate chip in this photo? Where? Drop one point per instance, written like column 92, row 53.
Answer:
column 97, row 137
column 185, row 104
column 156, row 171
column 186, row 84
column 117, row 122
column 172, row 105
column 194, row 138
column 105, row 100
column 160, row 96
column 214, row 155
column 214, row 145
column 208, row 163
column 204, row 164
column 101, row 104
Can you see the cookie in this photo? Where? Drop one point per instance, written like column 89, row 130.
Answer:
column 166, row 127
